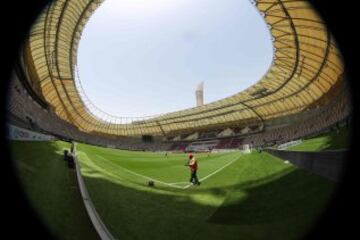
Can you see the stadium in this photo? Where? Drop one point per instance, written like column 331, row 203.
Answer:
column 270, row 156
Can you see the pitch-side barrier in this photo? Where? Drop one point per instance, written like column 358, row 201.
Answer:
column 98, row 224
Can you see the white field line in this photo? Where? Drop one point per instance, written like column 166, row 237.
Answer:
column 170, row 184
column 211, row 174
column 139, row 175
column 176, row 183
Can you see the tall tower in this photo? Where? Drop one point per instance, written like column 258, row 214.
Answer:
column 200, row 94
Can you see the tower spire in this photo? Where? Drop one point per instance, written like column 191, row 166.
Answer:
column 199, row 93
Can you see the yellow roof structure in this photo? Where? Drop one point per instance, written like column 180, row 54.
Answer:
column 306, row 65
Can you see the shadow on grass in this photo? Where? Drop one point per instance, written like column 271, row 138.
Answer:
column 51, row 189
column 340, row 139
column 294, row 195
column 282, row 206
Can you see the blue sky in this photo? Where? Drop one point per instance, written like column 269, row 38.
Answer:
column 145, row 57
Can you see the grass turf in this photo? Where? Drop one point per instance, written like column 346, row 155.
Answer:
column 256, row 196
column 329, row 141
column 52, row 189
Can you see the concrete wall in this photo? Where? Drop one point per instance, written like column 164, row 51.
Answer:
column 21, row 134
column 328, row 164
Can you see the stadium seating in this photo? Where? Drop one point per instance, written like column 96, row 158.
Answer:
column 202, row 146
column 316, row 122
column 25, row 112
column 21, row 107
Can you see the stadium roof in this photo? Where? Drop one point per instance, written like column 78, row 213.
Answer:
column 306, row 66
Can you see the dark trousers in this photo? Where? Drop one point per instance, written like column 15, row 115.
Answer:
column 193, row 177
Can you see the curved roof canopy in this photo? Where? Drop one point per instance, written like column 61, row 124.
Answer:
column 306, row 65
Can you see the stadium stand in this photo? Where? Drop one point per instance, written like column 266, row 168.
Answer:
column 202, row 146
column 21, row 106
column 303, row 93
column 25, row 112
column 317, row 122
column 306, row 73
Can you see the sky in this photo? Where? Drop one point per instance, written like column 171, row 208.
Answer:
column 146, row 57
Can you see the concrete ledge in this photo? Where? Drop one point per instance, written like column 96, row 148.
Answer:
column 99, row 226
column 328, row 164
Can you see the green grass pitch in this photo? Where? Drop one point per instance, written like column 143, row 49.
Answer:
column 333, row 140
column 254, row 196
column 51, row 188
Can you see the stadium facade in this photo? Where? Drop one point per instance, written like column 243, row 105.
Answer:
column 303, row 92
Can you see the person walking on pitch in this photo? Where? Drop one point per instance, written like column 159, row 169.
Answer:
column 192, row 163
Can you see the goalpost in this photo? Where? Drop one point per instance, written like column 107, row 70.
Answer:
column 245, row 148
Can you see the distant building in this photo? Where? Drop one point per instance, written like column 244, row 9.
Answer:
column 200, row 94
